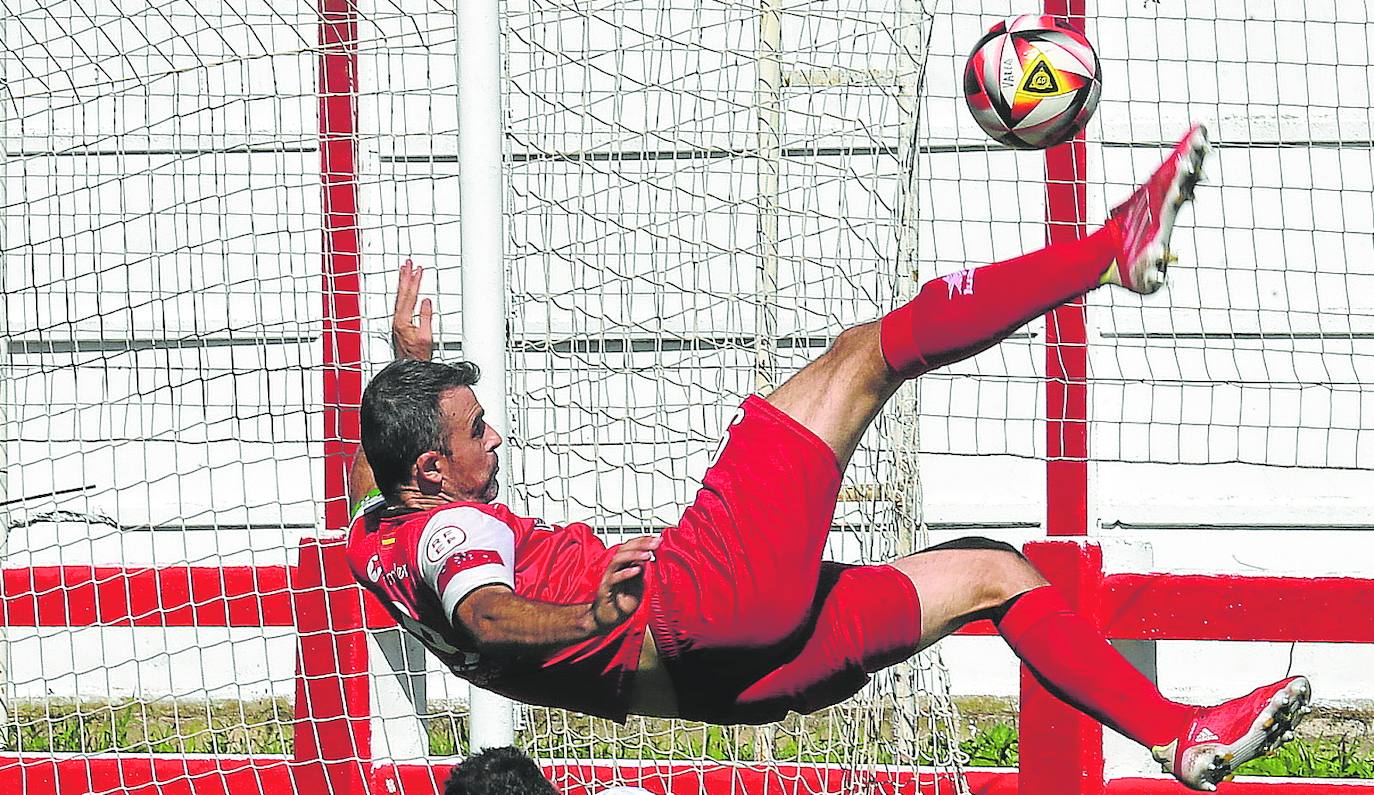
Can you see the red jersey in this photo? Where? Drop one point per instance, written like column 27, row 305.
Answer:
column 421, row 564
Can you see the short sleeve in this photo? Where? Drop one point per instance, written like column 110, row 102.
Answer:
column 462, row 549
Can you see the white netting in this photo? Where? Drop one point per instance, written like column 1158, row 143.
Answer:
column 675, row 191
column 161, row 240
column 699, row 201
column 164, row 338
column 704, row 195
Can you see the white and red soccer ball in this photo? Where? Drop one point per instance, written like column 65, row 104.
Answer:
column 1032, row 81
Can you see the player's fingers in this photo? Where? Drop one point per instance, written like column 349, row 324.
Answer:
column 625, row 574
column 426, row 315
column 629, row 557
column 646, row 543
column 407, row 289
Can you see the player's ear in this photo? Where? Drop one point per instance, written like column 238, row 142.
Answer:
column 426, row 472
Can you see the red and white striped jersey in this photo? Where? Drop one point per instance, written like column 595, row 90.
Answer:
column 421, row 565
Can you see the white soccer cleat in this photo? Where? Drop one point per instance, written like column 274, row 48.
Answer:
column 1219, row 739
column 1145, row 221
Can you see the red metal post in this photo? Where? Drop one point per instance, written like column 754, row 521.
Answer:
column 1066, row 356
column 1060, row 748
column 1066, row 335
column 343, row 379
column 332, row 729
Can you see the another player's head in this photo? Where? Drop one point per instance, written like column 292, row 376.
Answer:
column 498, row 771
column 424, row 433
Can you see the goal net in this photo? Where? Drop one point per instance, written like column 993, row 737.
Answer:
column 699, row 199
column 699, row 196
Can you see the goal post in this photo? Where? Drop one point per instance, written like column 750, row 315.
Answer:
column 485, row 310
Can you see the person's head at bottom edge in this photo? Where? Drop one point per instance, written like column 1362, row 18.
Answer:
column 498, row 771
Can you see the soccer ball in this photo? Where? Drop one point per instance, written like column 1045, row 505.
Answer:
column 1032, row 81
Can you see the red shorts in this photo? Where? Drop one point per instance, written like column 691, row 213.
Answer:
column 748, row 620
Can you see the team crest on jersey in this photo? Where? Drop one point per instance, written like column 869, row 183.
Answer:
column 444, row 542
column 374, row 568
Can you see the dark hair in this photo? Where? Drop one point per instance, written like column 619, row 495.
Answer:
column 401, row 419
column 498, row 771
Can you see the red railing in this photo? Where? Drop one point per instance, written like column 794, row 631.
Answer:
column 333, row 731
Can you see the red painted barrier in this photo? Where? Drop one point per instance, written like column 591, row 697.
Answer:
column 332, row 734
column 172, row 596
column 271, row 775
column 1061, row 748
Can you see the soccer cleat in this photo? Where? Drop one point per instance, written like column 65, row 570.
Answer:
column 1145, row 221
column 1220, row 739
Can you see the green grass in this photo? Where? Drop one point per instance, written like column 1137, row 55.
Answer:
column 994, row 746
column 159, row 727
column 825, row 738
column 1321, row 756
column 1326, row 758
column 1336, row 745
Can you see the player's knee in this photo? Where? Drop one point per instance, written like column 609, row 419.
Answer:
column 1004, row 574
column 995, row 570
column 851, row 338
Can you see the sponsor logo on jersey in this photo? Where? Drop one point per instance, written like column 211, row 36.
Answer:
column 960, row 282
column 374, row 568
column 468, row 559
column 444, row 542
column 397, row 573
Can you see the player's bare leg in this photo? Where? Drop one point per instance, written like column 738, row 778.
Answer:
column 838, row 395
column 958, row 586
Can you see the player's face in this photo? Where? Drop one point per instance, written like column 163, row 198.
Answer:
column 469, row 471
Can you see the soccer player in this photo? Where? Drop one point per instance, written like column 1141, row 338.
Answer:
column 732, row 616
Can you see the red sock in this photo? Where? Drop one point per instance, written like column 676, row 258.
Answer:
column 1072, row 660
column 961, row 314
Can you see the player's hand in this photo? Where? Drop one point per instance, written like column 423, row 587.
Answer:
column 411, row 339
column 622, row 586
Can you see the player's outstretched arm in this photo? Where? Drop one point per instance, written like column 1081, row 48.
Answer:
column 410, row 339
column 499, row 621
